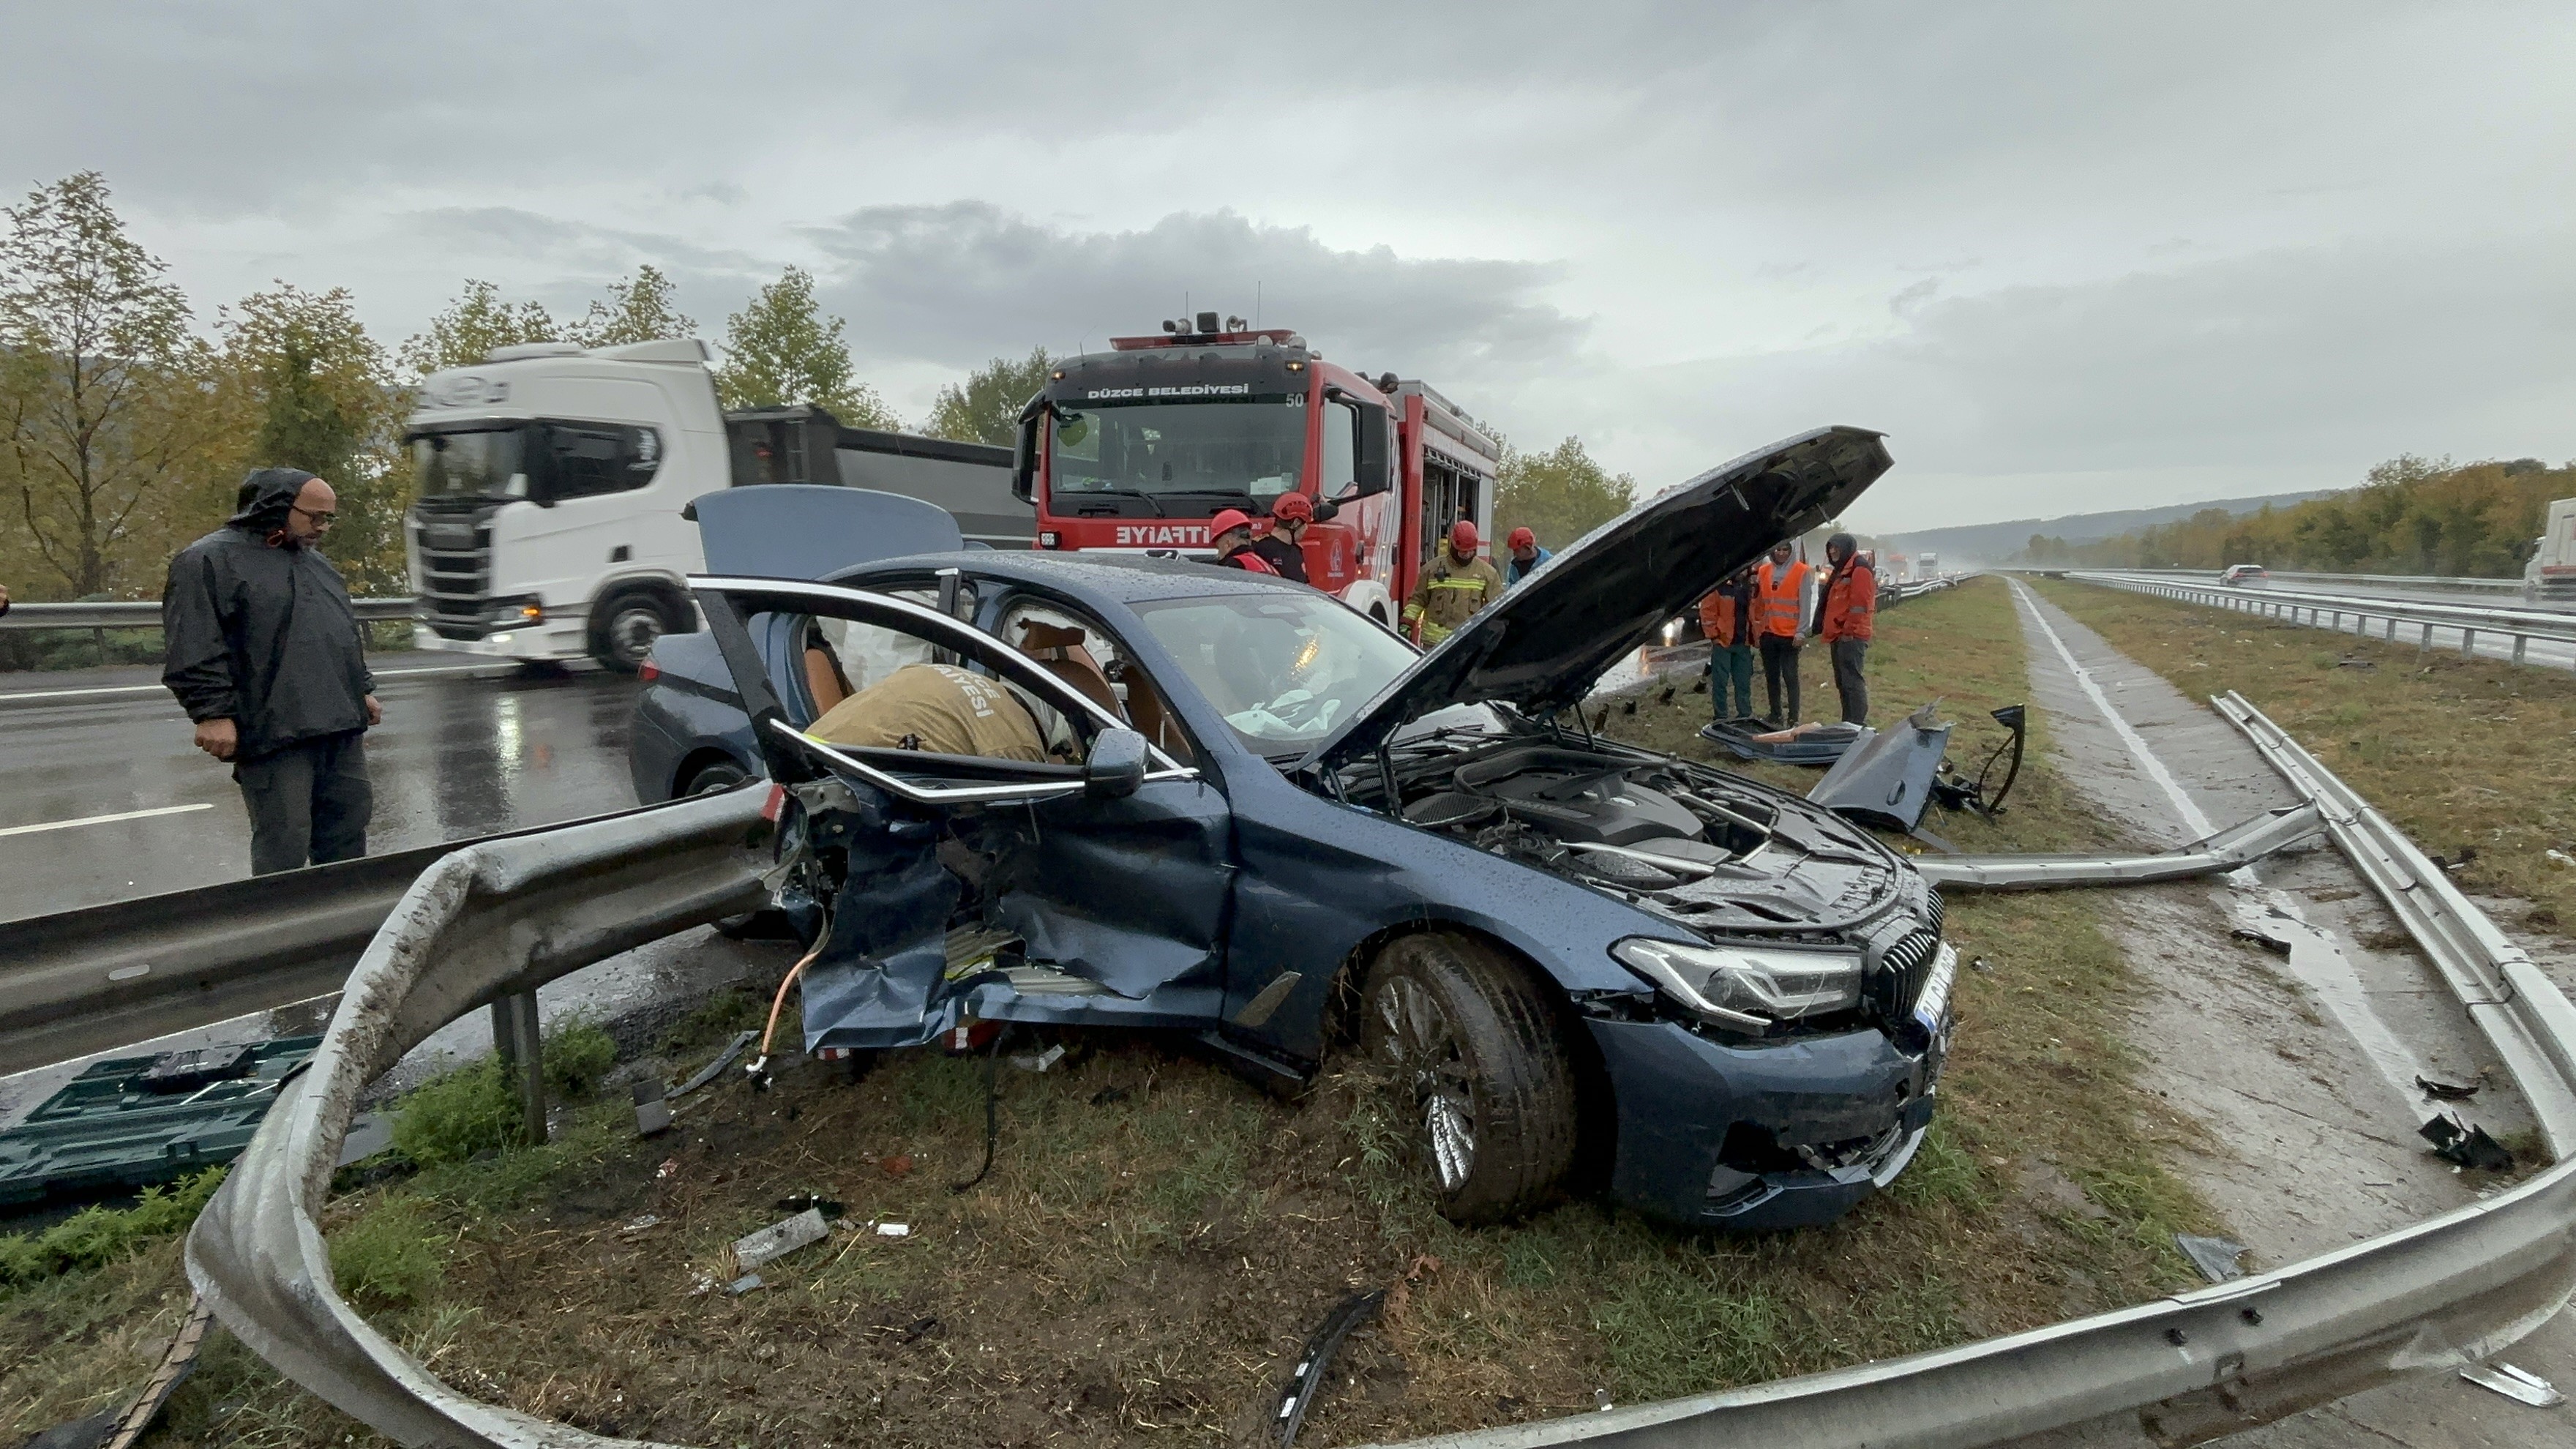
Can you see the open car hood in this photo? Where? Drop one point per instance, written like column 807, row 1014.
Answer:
column 1543, row 644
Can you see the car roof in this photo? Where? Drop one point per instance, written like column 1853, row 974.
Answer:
column 1116, row 578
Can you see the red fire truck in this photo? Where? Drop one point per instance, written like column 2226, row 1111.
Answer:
column 1134, row 449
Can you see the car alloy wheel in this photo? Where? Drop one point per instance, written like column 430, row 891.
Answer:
column 1471, row 1037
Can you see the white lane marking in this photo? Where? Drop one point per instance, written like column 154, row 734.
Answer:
column 105, row 819
column 108, row 689
column 2316, row 958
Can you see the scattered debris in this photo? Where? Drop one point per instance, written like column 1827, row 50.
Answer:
column 2214, row 1257
column 2447, row 1091
column 744, row 1284
column 669, row 1169
column 1107, row 1095
column 646, row 1223
column 2514, row 1383
column 369, row 1133
column 652, row 1109
column 140, row 1121
column 797, row 1202
column 715, row 1069
column 913, row 1331
column 893, row 1230
column 897, row 1165
column 701, row 1283
column 779, row 1239
column 2355, row 661
column 2457, row 1142
column 1299, row 1393
column 2277, row 945
column 2560, row 859
column 1601, row 1401
column 1885, row 779
column 1980, row 963
column 1040, row 1061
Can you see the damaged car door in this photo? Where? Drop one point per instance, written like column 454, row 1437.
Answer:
column 931, row 865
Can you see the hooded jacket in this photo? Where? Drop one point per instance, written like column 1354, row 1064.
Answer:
column 1848, row 606
column 259, row 629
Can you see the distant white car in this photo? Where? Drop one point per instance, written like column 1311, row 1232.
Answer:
column 2243, row 576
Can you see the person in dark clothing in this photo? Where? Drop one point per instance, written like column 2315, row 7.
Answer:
column 1283, row 545
column 265, row 654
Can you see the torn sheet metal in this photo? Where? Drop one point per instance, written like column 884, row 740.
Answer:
column 1886, row 779
column 2238, row 845
column 2514, row 1383
column 780, row 1239
column 1806, row 744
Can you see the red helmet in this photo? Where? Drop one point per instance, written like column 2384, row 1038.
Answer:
column 1462, row 536
column 1521, row 538
column 1227, row 522
column 1293, row 507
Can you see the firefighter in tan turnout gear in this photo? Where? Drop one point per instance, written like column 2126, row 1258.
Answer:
column 1453, row 588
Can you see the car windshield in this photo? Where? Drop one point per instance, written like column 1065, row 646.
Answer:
column 488, row 462
column 1253, row 448
column 1283, row 668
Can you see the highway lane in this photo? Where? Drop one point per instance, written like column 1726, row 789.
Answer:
column 462, row 752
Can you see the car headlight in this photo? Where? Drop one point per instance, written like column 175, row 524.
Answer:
column 1743, row 986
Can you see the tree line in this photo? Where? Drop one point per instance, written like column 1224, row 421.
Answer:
column 2411, row 516
column 125, row 429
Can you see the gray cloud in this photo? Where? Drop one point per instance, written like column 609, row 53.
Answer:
column 960, row 282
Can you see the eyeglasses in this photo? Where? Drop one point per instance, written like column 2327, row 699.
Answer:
column 320, row 520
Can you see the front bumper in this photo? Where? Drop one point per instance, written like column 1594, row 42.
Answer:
column 550, row 640
column 1772, row 1135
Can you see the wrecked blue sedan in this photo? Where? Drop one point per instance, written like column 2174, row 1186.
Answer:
column 1226, row 805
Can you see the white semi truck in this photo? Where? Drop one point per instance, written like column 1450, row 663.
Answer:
column 552, row 482
column 2550, row 577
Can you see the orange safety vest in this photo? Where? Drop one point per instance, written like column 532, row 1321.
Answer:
column 1851, row 603
column 1776, row 595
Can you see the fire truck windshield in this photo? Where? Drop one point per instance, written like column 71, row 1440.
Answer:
column 1191, row 453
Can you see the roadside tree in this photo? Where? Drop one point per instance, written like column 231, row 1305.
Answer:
column 987, row 408
column 475, row 323
column 781, row 350
column 306, row 387
column 104, row 406
column 1561, row 494
column 638, row 310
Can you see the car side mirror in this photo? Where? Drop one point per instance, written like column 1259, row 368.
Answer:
column 1024, row 456
column 1375, row 447
column 1115, row 768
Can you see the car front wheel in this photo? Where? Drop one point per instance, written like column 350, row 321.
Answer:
column 1473, row 1044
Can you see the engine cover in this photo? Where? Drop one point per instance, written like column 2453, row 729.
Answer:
column 1595, row 806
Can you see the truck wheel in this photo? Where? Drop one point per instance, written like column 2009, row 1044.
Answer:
column 1474, row 1042
column 623, row 628
column 750, row 925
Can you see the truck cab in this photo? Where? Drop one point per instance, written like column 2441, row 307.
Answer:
column 553, row 484
column 568, row 469
column 1135, row 449
column 2550, row 577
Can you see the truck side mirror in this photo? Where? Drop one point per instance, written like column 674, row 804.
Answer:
column 1375, row 448
column 1024, row 456
column 1115, row 768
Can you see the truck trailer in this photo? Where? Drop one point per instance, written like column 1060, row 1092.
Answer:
column 552, row 486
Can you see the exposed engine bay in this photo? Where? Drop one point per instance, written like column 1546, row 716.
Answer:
column 1724, row 857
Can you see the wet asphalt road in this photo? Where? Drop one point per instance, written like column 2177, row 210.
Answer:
column 462, row 752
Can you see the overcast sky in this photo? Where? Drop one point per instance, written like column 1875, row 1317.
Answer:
column 2068, row 257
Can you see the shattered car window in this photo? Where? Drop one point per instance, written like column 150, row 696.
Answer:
column 1281, row 668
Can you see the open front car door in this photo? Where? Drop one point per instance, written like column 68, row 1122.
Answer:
column 947, row 802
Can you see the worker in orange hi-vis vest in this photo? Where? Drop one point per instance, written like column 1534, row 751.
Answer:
column 1844, row 618
column 1779, row 620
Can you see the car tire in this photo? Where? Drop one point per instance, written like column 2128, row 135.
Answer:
column 769, row 925
column 624, row 626
column 1475, row 1046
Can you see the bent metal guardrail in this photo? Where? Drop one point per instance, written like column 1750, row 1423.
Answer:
column 504, row 916
column 88, row 980
column 146, row 614
column 2331, row 611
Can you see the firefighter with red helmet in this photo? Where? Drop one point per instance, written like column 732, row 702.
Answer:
column 1230, row 534
column 1455, row 585
column 1284, row 545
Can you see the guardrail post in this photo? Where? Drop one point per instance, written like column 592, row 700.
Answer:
column 2520, row 642
column 2392, row 629
column 2468, row 643
column 516, row 1040
column 2427, row 640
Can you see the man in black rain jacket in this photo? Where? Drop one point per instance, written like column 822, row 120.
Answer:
column 268, row 658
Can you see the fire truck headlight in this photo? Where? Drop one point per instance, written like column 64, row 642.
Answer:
column 1049, row 539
